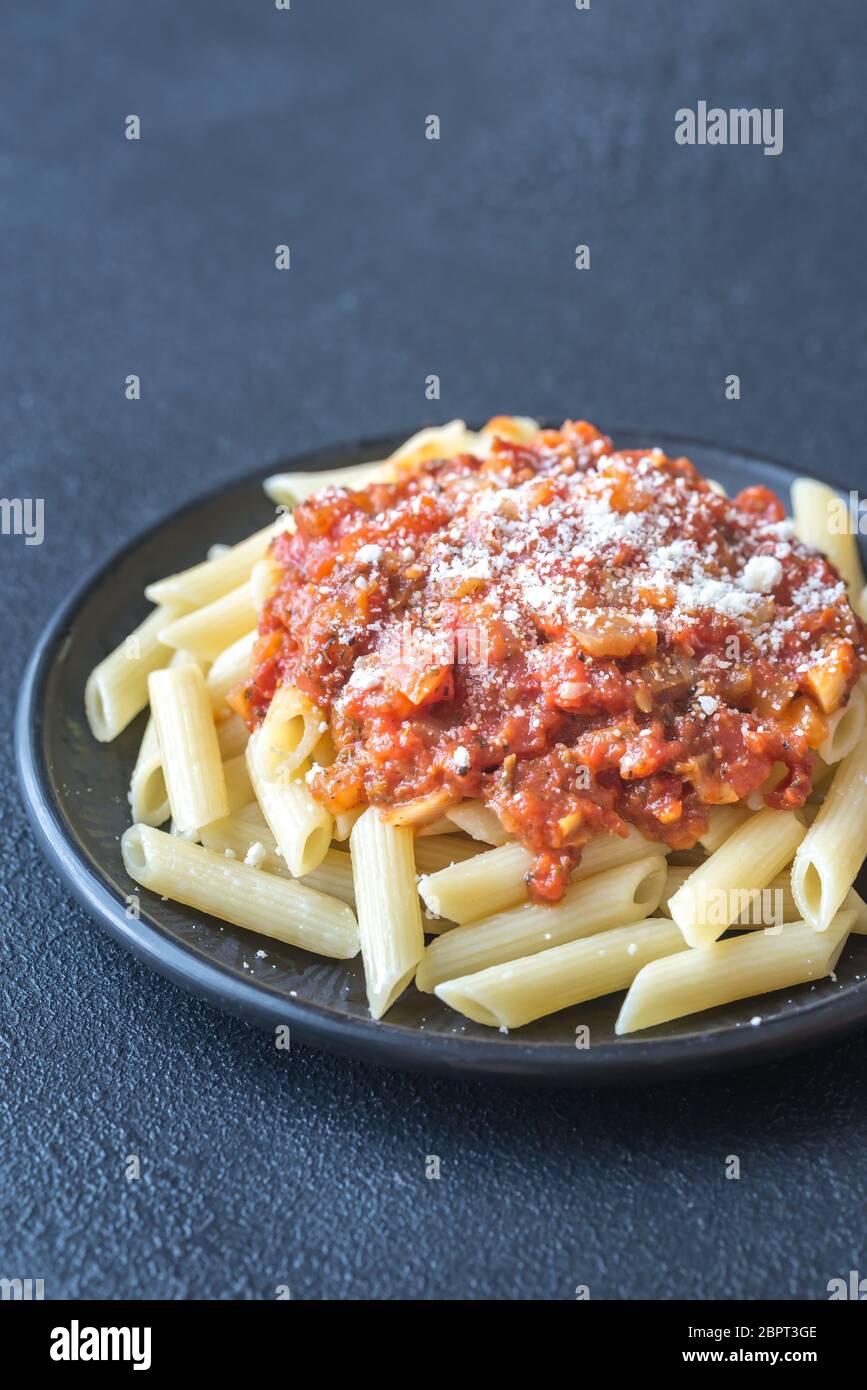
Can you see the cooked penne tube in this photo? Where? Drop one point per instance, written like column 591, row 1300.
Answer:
column 477, row 820
column 722, row 822
column 148, row 797
column 210, row 580
column 232, row 736
column 206, row 632
column 287, row 736
column 389, row 917
column 746, row 861
column 769, row 906
column 301, row 827
column 229, row 669
column 117, row 689
column 496, row 879
column 435, row 852
column 236, row 892
column 610, row 899
column 728, row 970
column 835, row 846
column 288, row 489
column 822, row 520
column 191, row 761
column 239, row 788
column 263, row 581
column 845, row 728
column 441, row 538
column 441, row 826
column 822, row 773
column 344, row 821
column 439, row 441
column 510, row 995
column 248, row 838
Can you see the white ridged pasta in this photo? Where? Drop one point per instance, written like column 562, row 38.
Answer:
column 821, row 520
column 510, row 995
column 148, row 797
column 729, row 970
column 478, row 821
column 242, row 832
column 835, row 846
column 301, row 827
column 189, row 748
column 611, row 899
column 202, row 584
column 236, row 892
column 722, row 822
column 230, row 667
column 208, row 631
column 117, row 689
column 746, row 861
column 389, row 917
column 845, row 728
column 496, row 879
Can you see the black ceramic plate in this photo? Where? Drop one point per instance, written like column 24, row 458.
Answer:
column 76, row 793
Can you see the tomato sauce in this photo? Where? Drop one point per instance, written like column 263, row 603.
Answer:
column 583, row 638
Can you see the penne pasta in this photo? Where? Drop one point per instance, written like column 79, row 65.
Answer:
column 117, row 689
column 192, row 766
column 148, row 797
column 436, row 852
column 712, row 896
column 230, row 668
column 822, row 520
column 442, row 826
column 301, row 827
column 232, row 736
column 246, row 836
column 206, row 632
column 496, row 879
column 510, row 995
column 610, row 899
column 476, row 820
column 389, row 917
column 728, row 970
column 508, row 544
column 834, row 847
column 239, row 788
column 212, row 579
column 722, row 822
column 770, row 906
column 845, row 728
column 235, row 892
column 344, row 821
column 287, row 736
column 288, row 489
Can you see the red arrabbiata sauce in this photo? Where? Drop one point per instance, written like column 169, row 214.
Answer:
column 581, row 637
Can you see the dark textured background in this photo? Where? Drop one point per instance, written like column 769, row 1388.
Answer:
column 409, row 257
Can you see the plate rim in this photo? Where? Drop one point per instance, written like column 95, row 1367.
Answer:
column 631, row 1062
